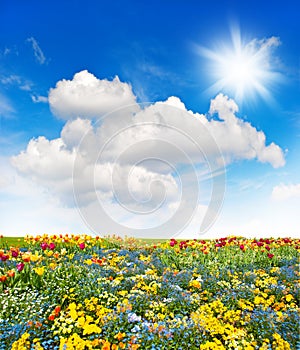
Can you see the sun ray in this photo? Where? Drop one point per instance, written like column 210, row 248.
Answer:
column 243, row 69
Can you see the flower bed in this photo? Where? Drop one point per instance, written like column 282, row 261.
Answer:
column 78, row 292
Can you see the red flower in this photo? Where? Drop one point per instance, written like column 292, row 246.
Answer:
column 44, row 246
column 52, row 246
column 267, row 247
column 20, row 267
column 270, row 256
column 242, row 247
column 57, row 310
column 4, row 257
column 14, row 253
column 81, row 246
column 51, row 317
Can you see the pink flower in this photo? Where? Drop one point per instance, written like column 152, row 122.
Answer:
column 20, row 267
column 52, row 246
column 172, row 243
column 242, row 247
column 14, row 253
column 4, row 257
column 270, row 256
column 81, row 246
column 44, row 246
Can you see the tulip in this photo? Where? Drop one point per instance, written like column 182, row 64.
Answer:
column 20, row 266
column 3, row 278
column 52, row 246
column 14, row 253
column 10, row 273
column 81, row 246
column 4, row 257
column 270, row 256
column 44, row 246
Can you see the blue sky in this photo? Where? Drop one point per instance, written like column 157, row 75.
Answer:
column 158, row 50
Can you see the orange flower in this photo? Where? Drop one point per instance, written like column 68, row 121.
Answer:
column 106, row 345
column 3, row 278
column 120, row 336
column 134, row 346
column 57, row 310
column 10, row 273
column 26, row 257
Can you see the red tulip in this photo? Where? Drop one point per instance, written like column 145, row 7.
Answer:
column 81, row 246
column 4, row 257
column 270, row 256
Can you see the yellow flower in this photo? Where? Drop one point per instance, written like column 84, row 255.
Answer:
column 289, row 297
column 88, row 261
column 35, row 257
column 195, row 284
column 39, row 270
column 120, row 336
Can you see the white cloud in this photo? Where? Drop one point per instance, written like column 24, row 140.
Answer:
column 284, row 192
column 137, row 161
column 18, row 81
column 39, row 99
column 12, row 79
column 38, row 53
column 238, row 139
column 86, row 96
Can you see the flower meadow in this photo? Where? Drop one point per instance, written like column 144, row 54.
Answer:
column 79, row 292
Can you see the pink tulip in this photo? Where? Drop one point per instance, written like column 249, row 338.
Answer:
column 44, row 246
column 81, row 246
column 20, row 267
column 14, row 253
column 52, row 246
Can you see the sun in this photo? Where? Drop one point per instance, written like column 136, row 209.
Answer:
column 243, row 69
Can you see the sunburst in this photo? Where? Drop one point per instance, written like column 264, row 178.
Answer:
column 243, row 69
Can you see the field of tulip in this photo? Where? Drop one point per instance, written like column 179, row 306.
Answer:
column 81, row 292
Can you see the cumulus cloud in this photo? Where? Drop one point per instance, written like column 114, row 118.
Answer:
column 86, row 96
column 238, row 139
column 138, row 159
column 38, row 53
column 284, row 192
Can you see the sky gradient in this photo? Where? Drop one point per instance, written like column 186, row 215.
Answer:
column 225, row 75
